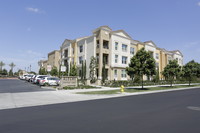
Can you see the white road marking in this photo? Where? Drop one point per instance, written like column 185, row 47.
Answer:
column 194, row 108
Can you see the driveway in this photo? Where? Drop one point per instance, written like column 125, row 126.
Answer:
column 18, row 86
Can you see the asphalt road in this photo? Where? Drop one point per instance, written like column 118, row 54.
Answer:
column 169, row 112
column 17, row 86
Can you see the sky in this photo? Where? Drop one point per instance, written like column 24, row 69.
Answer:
column 30, row 29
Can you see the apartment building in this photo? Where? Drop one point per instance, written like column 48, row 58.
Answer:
column 43, row 64
column 53, row 60
column 115, row 49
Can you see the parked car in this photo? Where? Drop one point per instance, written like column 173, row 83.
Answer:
column 23, row 76
column 32, row 78
column 39, row 77
column 28, row 77
column 49, row 81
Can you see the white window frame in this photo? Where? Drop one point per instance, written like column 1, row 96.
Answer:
column 81, row 50
column 124, row 61
column 132, row 50
column 157, row 56
column 115, row 73
column 116, row 45
column 123, row 73
column 124, row 49
column 80, row 61
column 116, row 58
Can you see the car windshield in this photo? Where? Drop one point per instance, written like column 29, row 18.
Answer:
column 55, row 79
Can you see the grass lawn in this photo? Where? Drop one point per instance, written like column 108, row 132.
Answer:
column 80, row 87
column 132, row 90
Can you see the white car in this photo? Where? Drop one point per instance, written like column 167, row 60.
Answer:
column 49, row 81
column 37, row 77
column 23, row 76
column 28, row 77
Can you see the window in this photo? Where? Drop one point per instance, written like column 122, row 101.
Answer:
column 132, row 50
column 116, row 58
column 116, row 45
column 97, row 43
column 124, row 48
column 105, row 58
column 66, row 53
column 80, row 60
column 124, row 60
column 123, row 73
column 105, row 44
column 80, row 73
column 115, row 73
column 151, row 53
column 97, row 57
column 157, row 65
column 157, row 56
column 81, row 48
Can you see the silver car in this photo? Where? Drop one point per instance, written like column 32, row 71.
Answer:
column 49, row 81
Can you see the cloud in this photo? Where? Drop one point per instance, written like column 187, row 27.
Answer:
column 32, row 53
column 198, row 3
column 192, row 44
column 34, row 10
column 28, row 29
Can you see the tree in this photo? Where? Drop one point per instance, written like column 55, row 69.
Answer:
column 32, row 72
column 10, row 72
column 103, row 73
column 141, row 64
column 12, row 65
column 73, row 70
column 42, row 71
column 84, row 74
column 156, row 77
column 190, row 70
column 93, row 65
column 82, row 69
column 1, row 65
column 172, row 71
column 4, row 72
column 54, row 71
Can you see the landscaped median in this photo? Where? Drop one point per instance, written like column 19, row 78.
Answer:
column 136, row 89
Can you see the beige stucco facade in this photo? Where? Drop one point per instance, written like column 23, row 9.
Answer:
column 115, row 49
column 54, row 59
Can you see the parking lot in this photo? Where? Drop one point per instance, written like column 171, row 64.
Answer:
column 17, row 86
column 15, row 93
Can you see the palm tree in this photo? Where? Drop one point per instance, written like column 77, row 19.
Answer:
column 1, row 65
column 12, row 65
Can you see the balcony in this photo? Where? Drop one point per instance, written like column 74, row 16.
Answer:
column 105, row 44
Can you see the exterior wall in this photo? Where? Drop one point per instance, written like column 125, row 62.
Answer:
column 179, row 58
column 45, row 64
column 119, row 51
column 66, row 46
column 105, row 33
column 91, row 47
column 151, row 49
column 54, row 59
column 139, row 46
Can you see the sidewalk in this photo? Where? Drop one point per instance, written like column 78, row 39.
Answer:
column 27, row 99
